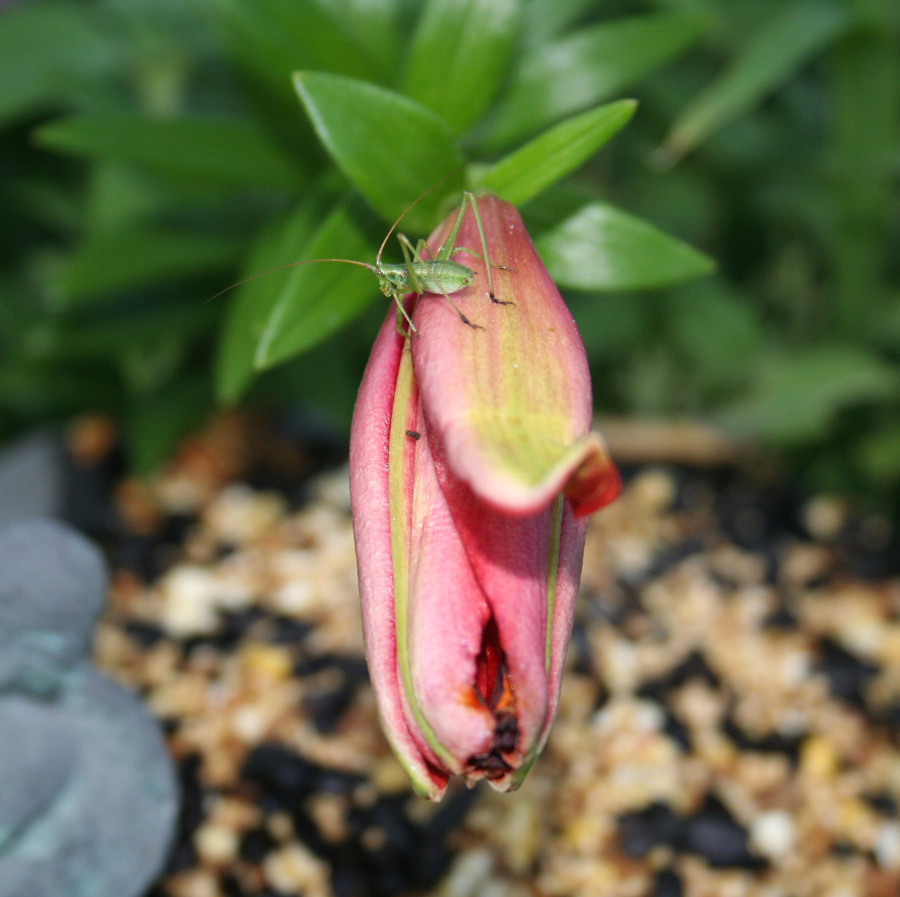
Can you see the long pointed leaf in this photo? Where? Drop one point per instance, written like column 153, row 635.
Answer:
column 799, row 395
column 603, row 248
column 229, row 150
column 561, row 78
column 528, row 171
column 126, row 259
column 273, row 38
column 779, row 48
column 459, row 55
column 48, row 51
column 373, row 24
column 390, row 147
column 89, row 338
column 251, row 305
column 319, row 299
column 547, row 19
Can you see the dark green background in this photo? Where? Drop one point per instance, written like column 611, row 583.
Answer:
column 154, row 151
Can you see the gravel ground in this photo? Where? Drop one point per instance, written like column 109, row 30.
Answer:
column 728, row 725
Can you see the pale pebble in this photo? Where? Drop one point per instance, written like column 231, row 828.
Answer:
column 887, row 845
column 294, row 868
column 216, row 844
column 773, row 834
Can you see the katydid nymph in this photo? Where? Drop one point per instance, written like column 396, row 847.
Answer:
column 417, row 274
column 435, row 275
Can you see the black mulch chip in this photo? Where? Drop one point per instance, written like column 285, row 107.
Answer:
column 713, row 834
column 667, row 884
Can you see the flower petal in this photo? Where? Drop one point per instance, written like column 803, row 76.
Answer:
column 447, row 617
column 562, row 612
column 511, row 401
column 369, row 489
column 510, row 558
column 529, row 569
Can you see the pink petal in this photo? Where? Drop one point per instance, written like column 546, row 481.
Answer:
column 510, row 556
column 511, row 402
column 448, row 614
column 372, row 530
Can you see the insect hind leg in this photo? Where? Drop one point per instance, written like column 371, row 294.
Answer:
column 462, row 317
column 408, row 249
column 467, row 196
column 472, row 252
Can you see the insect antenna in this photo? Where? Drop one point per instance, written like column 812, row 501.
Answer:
column 288, row 265
column 404, row 212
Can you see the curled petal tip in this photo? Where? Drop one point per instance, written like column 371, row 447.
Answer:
column 595, row 482
column 512, row 402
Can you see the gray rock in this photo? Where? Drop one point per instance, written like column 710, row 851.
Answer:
column 53, row 579
column 88, row 792
column 38, row 755
column 31, row 478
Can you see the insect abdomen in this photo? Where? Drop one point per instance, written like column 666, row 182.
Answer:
column 443, row 276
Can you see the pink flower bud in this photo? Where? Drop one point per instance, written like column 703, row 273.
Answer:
column 471, row 466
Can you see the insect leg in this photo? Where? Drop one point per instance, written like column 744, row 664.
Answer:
column 494, row 299
column 446, row 248
column 401, row 314
column 407, row 248
column 462, row 317
column 474, row 253
column 489, row 265
column 409, row 254
column 415, row 286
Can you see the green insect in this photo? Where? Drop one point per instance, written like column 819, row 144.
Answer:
column 434, row 275
column 417, row 274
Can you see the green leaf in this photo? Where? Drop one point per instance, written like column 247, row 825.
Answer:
column 603, row 248
column 223, row 150
column 280, row 243
column 58, row 338
column 878, row 454
column 611, row 327
column 119, row 196
column 884, row 329
column 524, row 174
column 459, row 55
column 319, row 299
column 719, row 332
column 273, row 38
column 125, row 259
column 389, row 147
column 547, row 19
column 48, row 52
column 864, row 131
column 150, row 364
column 36, row 390
column 156, row 423
column 323, row 382
column 558, row 79
column 373, row 24
column 781, row 46
column 798, row 395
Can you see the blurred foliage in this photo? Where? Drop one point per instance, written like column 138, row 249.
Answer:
column 154, row 151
